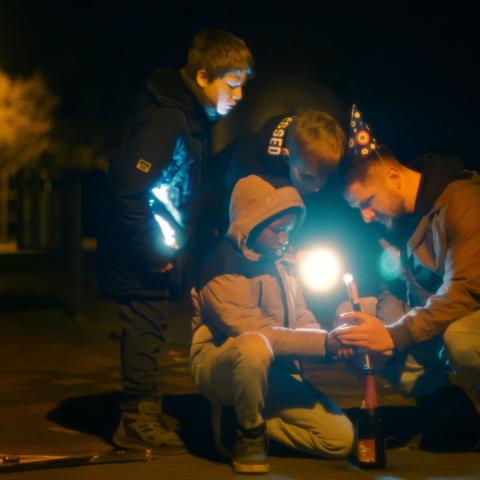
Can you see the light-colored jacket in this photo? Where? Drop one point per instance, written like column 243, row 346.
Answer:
column 241, row 292
column 446, row 242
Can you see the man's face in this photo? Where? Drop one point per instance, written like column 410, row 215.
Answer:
column 306, row 174
column 272, row 240
column 223, row 93
column 377, row 197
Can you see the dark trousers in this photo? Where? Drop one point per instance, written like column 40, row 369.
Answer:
column 143, row 323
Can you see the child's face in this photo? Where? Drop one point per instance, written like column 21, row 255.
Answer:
column 223, row 93
column 272, row 240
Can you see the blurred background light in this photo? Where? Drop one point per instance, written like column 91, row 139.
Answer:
column 389, row 262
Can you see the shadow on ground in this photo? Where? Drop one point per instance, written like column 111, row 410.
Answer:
column 98, row 415
column 195, row 421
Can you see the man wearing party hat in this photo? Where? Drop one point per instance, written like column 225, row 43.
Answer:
column 430, row 208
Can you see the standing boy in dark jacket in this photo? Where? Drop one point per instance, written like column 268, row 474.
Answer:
column 149, row 214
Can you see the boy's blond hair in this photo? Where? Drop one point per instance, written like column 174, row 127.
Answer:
column 319, row 138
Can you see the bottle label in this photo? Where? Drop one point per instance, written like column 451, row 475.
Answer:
column 366, row 450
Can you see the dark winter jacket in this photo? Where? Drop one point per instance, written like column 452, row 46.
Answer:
column 149, row 207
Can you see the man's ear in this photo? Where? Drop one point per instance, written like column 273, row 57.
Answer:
column 202, row 78
column 393, row 177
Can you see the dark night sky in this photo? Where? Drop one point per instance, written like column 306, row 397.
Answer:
column 412, row 71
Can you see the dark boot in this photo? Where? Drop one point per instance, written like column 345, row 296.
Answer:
column 142, row 427
column 449, row 421
column 250, row 451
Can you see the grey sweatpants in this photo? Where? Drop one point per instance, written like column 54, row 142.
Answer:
column 242, row 373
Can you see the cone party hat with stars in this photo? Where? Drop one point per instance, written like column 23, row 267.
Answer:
column 360, row 140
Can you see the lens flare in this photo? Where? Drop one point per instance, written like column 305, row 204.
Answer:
column 389, row 262
column 320, row 269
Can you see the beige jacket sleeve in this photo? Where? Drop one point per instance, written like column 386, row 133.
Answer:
column 228, row 305
column 459, row 293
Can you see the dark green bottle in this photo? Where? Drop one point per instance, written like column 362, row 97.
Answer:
column 370, row 437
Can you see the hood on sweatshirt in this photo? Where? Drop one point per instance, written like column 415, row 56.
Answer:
column 171, row 88
column 254, row 200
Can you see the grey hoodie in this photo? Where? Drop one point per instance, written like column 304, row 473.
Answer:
column 241, row 292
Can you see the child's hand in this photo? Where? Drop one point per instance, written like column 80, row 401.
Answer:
column 344, row 354
column 334, row 349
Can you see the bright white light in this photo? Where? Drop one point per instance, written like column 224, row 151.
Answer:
column 167, row 231
column 320, row 269
column 348, row 279
column 162, row 192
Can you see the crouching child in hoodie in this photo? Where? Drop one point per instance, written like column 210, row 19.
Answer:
column 251, row 324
